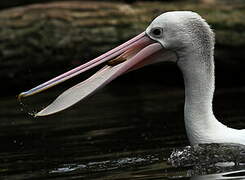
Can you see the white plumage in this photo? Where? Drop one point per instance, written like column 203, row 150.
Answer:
column 191, row 38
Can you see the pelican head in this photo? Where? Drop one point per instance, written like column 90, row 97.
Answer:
column 179, row 36
column 183, row 32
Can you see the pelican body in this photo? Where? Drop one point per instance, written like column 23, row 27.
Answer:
column 182, row 37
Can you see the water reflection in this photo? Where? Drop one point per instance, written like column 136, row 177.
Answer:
column 222, row 155
column 126, row 134
column 108, row 164
column 222, row 176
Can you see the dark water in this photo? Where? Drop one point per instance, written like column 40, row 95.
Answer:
column 123, row 132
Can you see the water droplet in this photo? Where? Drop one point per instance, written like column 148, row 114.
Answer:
column 24, row 108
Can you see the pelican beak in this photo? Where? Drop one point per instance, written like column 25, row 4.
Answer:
column 133, row 54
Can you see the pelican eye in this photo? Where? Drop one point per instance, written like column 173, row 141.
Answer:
column 156, row 32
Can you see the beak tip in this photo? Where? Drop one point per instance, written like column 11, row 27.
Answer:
column 44, row 112
column 21, row 95
column 40, row 113
column 36, row 115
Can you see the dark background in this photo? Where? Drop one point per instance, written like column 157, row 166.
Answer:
column 41, row 39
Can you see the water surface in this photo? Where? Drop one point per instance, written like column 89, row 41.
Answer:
column 125, row 131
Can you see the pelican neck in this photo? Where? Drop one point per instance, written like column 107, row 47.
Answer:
column 199, row 79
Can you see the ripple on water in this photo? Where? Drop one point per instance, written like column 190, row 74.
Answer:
column 108, row 164
column 209, row 158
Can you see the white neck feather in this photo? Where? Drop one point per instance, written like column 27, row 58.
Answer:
column 201, row 124
column 199, row 89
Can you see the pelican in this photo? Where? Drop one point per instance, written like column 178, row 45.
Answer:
column 182, row 37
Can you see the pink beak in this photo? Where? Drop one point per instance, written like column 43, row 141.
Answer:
column 134, row 53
